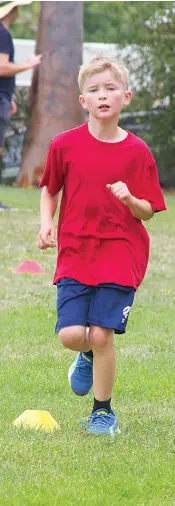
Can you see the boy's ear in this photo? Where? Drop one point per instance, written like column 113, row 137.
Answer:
column 82, row 101
column 128, row 97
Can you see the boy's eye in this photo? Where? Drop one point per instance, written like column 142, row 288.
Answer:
column 110, row 88
column 94, row 89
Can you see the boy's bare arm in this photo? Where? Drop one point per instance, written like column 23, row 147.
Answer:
column 48, row 206
column 140, row 208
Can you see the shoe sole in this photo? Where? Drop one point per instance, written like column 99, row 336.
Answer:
column 70, row 372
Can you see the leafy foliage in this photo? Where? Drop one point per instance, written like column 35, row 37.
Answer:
column 26, row 25
column 149, row 26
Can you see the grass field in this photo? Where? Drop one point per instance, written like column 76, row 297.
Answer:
column 67, row 468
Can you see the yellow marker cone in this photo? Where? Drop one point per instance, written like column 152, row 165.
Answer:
column 37, row 419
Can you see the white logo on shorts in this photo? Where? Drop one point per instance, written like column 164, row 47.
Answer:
column 126, row 313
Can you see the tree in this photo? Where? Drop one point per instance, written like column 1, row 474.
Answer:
column 151, row 26
column 54, row 92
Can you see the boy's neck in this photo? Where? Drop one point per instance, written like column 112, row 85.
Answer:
column 106, row 131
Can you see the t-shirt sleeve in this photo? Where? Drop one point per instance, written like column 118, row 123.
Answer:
column 4, row 42
column 53, row 176
column 149, row 188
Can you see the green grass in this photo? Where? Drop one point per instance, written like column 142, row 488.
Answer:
column 67, row 468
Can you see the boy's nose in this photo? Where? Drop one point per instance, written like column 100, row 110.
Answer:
column 102, row 96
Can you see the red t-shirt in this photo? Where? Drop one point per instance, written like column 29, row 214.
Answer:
column 99, row 240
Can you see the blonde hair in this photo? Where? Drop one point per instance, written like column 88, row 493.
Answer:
column 99, row 64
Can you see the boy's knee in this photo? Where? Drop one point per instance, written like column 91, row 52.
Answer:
column 100, row 338
column 70, row 337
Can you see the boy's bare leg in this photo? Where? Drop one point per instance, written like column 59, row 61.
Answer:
column 76, row 338
column 104, row 364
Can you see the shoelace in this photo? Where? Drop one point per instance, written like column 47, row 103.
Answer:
column 104, row 422
column 94, row 417
column 84, row 365
column 103, row 419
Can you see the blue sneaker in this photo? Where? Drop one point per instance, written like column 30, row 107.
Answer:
column 80, row 374
column 102, row 422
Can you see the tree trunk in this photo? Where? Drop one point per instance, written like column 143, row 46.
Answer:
column 54, row 92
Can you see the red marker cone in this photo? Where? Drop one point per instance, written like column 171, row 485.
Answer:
column 29, row 267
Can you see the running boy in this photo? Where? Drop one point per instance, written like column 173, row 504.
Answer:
column 110, row 185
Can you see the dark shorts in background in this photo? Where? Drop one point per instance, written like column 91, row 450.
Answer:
column 4, row 117
column 106, row 305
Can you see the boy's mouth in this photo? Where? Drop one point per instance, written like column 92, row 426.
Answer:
column 103, row 106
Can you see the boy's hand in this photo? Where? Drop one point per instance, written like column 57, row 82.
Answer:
column 46, row 237
column 120, row 190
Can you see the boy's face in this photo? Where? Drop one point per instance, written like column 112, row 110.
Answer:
column 104, row 95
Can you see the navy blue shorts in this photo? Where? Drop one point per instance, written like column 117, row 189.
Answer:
column 106, row 305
